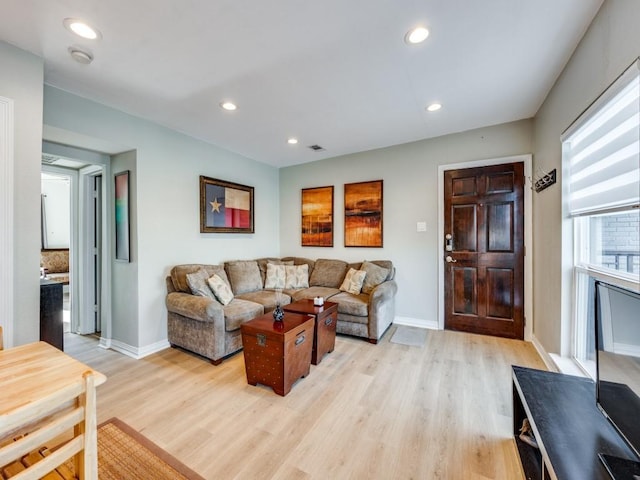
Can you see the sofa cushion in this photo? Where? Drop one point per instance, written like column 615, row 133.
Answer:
column 244, row 276
column 179, row 274
column 375, row 275
column 356, row 305
column 312, row 292
column 328, row 273
column 297, row 276
column 353, row 281
column 300, row 261
column 267, row 298
column 275, row 277
column 220, row 289
column 240, row 311
column 263, row 262
column 198, row 285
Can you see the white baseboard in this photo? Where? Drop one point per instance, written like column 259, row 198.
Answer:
column 105, row 343
column 627, row 349
column 416, row 322
column 546, row 358
column 137, row 352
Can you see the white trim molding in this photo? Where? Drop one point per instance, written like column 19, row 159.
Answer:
column 528, row 236
column 416, row 322
column 135, row 352
column 6, row 221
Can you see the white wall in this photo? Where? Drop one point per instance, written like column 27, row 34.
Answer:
column 610, row 44
column 21, row 78
column 168, row 166
column 410, row 174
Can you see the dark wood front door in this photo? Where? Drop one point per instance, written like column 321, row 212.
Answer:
column 484, row 250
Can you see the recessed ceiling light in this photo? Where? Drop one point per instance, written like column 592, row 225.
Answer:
column 82, row 28
column 292, row 141
column 434, row 107
column 229, row 106
column 416, row 35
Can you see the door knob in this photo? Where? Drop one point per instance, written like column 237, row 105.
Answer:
column 450, row 259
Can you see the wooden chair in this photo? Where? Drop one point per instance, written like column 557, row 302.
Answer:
column 42, row 423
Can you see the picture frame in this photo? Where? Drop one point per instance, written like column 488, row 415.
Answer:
column 225, row 207
column 316, row 226
column 363, row 214
column 122, row 216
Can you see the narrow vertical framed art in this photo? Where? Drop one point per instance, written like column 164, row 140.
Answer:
column 363, row 214
column 121, row 181
column 317, row 217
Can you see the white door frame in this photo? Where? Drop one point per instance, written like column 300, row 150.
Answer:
column 86, row 222
column 528, row 237
column 7, row 229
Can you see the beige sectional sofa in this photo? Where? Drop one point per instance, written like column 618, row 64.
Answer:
column 199, row 321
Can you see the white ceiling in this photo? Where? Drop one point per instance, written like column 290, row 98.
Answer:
column 334, row 72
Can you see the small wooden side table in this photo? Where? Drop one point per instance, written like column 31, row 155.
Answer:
column 277, row 354
column 326, row 317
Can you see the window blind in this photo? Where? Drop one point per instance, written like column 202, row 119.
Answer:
column 603, row 149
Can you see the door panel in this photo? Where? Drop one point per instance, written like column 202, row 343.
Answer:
column 484, row 284
column 464, row 218
column 500, row 227
column 500, row 283
column 465, row 282
column 463, row 186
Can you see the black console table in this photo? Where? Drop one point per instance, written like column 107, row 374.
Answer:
column 569, row 428
column 51, row 318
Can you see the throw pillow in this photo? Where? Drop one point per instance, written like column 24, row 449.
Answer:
column 353, row 281
column 275, row 276
column 297, row 276
column 244, row 276
column 221, row 290
column 198, row 284
column 375, row 276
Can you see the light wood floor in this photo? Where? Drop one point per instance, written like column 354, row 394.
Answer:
column 383, row 411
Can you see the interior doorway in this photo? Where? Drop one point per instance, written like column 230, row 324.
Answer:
column 56, row 245
column 86, row 226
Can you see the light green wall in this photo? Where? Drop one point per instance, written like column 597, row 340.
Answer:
column 410, row 174
column 168, row 166
column 125, row 326
column 610, row 44
column 21, row 77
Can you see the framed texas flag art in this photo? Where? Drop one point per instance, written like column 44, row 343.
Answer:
column 225, row 207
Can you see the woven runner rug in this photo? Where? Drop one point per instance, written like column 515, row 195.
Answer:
column 125, row 454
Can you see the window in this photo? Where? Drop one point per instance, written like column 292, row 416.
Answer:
column 602, row 152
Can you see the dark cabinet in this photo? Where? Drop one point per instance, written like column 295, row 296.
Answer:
column 51, row 328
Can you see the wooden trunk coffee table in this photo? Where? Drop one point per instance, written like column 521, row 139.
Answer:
column 277, row 354
column 326, row 317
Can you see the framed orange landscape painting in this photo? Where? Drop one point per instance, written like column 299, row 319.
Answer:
column 363, row 214
column 317, row 217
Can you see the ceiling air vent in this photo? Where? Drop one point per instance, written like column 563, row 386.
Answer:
column 49, row 159
column 316, row 148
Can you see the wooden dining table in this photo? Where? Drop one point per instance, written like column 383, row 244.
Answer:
column 43, row 393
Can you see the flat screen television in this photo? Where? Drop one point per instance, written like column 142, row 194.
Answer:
column 617, row 313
